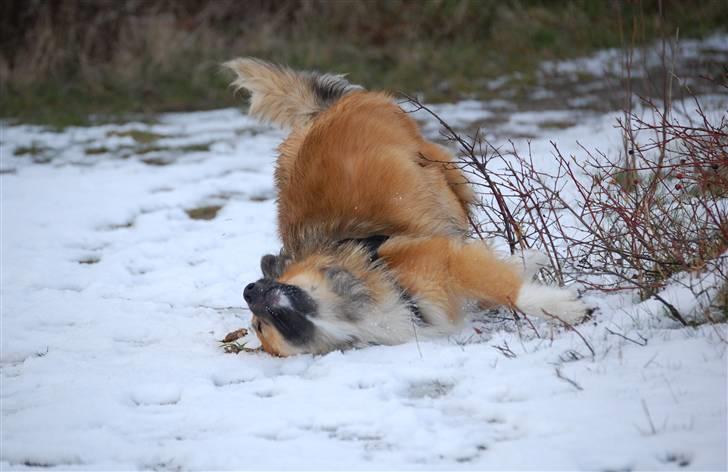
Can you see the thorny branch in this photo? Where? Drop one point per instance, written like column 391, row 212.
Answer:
column 568, row 380
column 635, row 221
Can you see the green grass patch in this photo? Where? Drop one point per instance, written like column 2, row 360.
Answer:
column 200, row 147
column 96, row 150
column 35, row 149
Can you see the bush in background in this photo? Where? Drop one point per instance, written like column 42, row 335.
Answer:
column 61, row 60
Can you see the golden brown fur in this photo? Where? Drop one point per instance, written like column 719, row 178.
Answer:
column 451, row 271
column 360, row 171
column 356, row 165
column 352, row 167
column 282, row 96
column 440, row 276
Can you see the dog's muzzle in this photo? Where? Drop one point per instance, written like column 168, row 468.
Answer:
column 286, row 307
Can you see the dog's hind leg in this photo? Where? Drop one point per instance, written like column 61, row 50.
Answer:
column 435, row 155
column 481, row 274
column 447, row 272
column 459, row 271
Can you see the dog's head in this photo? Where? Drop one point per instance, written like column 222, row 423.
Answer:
column 313, row 305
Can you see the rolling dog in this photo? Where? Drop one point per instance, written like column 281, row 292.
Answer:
column 373, row 219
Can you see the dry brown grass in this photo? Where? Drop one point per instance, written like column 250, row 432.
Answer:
column 67, row 58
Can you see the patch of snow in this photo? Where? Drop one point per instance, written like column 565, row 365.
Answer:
column 613, row 61
column 454, row 114
column 114, row 301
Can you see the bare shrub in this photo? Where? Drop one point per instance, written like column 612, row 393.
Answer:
column 656, row 215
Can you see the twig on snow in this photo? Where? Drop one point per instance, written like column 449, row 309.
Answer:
column 568, row 380
column 643, row 341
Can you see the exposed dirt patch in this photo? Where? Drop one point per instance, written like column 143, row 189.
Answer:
column 89, row 260
column 38, row 152
column 34, row 149
column 556, row 124
column 91, row 151
column 140, row 136
column 203, row 213
column 157, row 161
column 261, row 197
column 197, row 147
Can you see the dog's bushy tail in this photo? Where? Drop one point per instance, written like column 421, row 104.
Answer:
column 551, row 303
column 286, row 97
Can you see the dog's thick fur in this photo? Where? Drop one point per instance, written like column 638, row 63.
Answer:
column 355, row 165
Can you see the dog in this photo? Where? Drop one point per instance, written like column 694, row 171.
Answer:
column 354, row 164
column 373, row 219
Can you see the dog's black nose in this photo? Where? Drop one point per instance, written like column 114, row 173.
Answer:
column 249, row 294
column 255, row 292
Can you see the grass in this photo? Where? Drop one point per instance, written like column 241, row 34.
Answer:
column 92, row 151
column 140, row 136
column 198, row 147
column 35, row 149
column 146, row 142
column 88, row 63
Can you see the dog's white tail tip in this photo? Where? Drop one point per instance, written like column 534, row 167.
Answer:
column 553, row 303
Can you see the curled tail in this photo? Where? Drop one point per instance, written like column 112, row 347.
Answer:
column 286, row 97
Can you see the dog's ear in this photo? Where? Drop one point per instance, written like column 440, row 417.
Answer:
column 350, row 288
column 273, row 266
column 346, row 284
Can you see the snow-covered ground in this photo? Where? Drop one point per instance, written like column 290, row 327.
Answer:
column 116, row 291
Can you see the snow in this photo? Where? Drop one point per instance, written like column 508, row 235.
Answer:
column 612, row 61
column 114, row 300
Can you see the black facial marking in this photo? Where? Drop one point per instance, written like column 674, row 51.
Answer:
column 285, row 307
column 355, row 296
column 292, row 325
column 299, row 299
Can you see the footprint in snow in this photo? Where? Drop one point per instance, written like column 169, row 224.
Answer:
column 429, row 389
